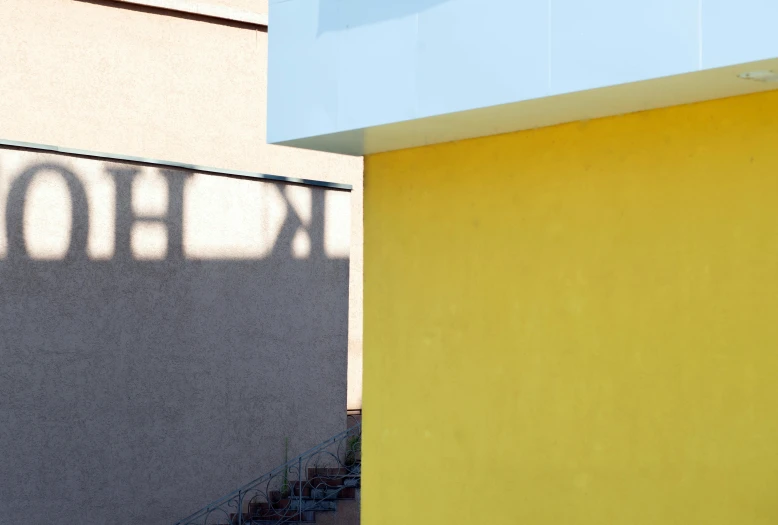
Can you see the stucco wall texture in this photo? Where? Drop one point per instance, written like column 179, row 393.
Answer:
column 603, row 295
column 254, row 6
column 161, row 333
column 108, row 77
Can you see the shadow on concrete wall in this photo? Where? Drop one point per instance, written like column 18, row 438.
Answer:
column 135, row 391
column 338, row 15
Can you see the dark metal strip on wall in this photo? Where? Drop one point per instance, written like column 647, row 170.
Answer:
column 197, row 9
column 170, row 164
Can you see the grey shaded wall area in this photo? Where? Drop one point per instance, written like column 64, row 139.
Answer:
column 148, row 83
column 161, row 333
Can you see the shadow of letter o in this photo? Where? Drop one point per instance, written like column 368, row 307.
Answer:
column 14, row 212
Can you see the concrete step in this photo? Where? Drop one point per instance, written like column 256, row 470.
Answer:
column 345, row 490
column 347, row 514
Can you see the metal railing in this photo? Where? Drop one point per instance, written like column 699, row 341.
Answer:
column 292, row 493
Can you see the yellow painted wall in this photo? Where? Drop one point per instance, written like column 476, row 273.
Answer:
column 578, row 324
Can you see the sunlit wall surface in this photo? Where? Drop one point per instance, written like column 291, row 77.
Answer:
column 576, row 325
column 340, row 65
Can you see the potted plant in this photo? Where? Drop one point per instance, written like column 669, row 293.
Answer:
column 353, row 451
column 285, row 488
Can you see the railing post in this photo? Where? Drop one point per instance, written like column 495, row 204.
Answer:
column 300, row 488
column 240, row 508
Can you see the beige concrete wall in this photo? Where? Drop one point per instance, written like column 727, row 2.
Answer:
column 103, row 77
column 161, row 333
column 224, row 10
column 256, row 6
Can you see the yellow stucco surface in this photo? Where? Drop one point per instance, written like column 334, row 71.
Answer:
column 577, row 324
